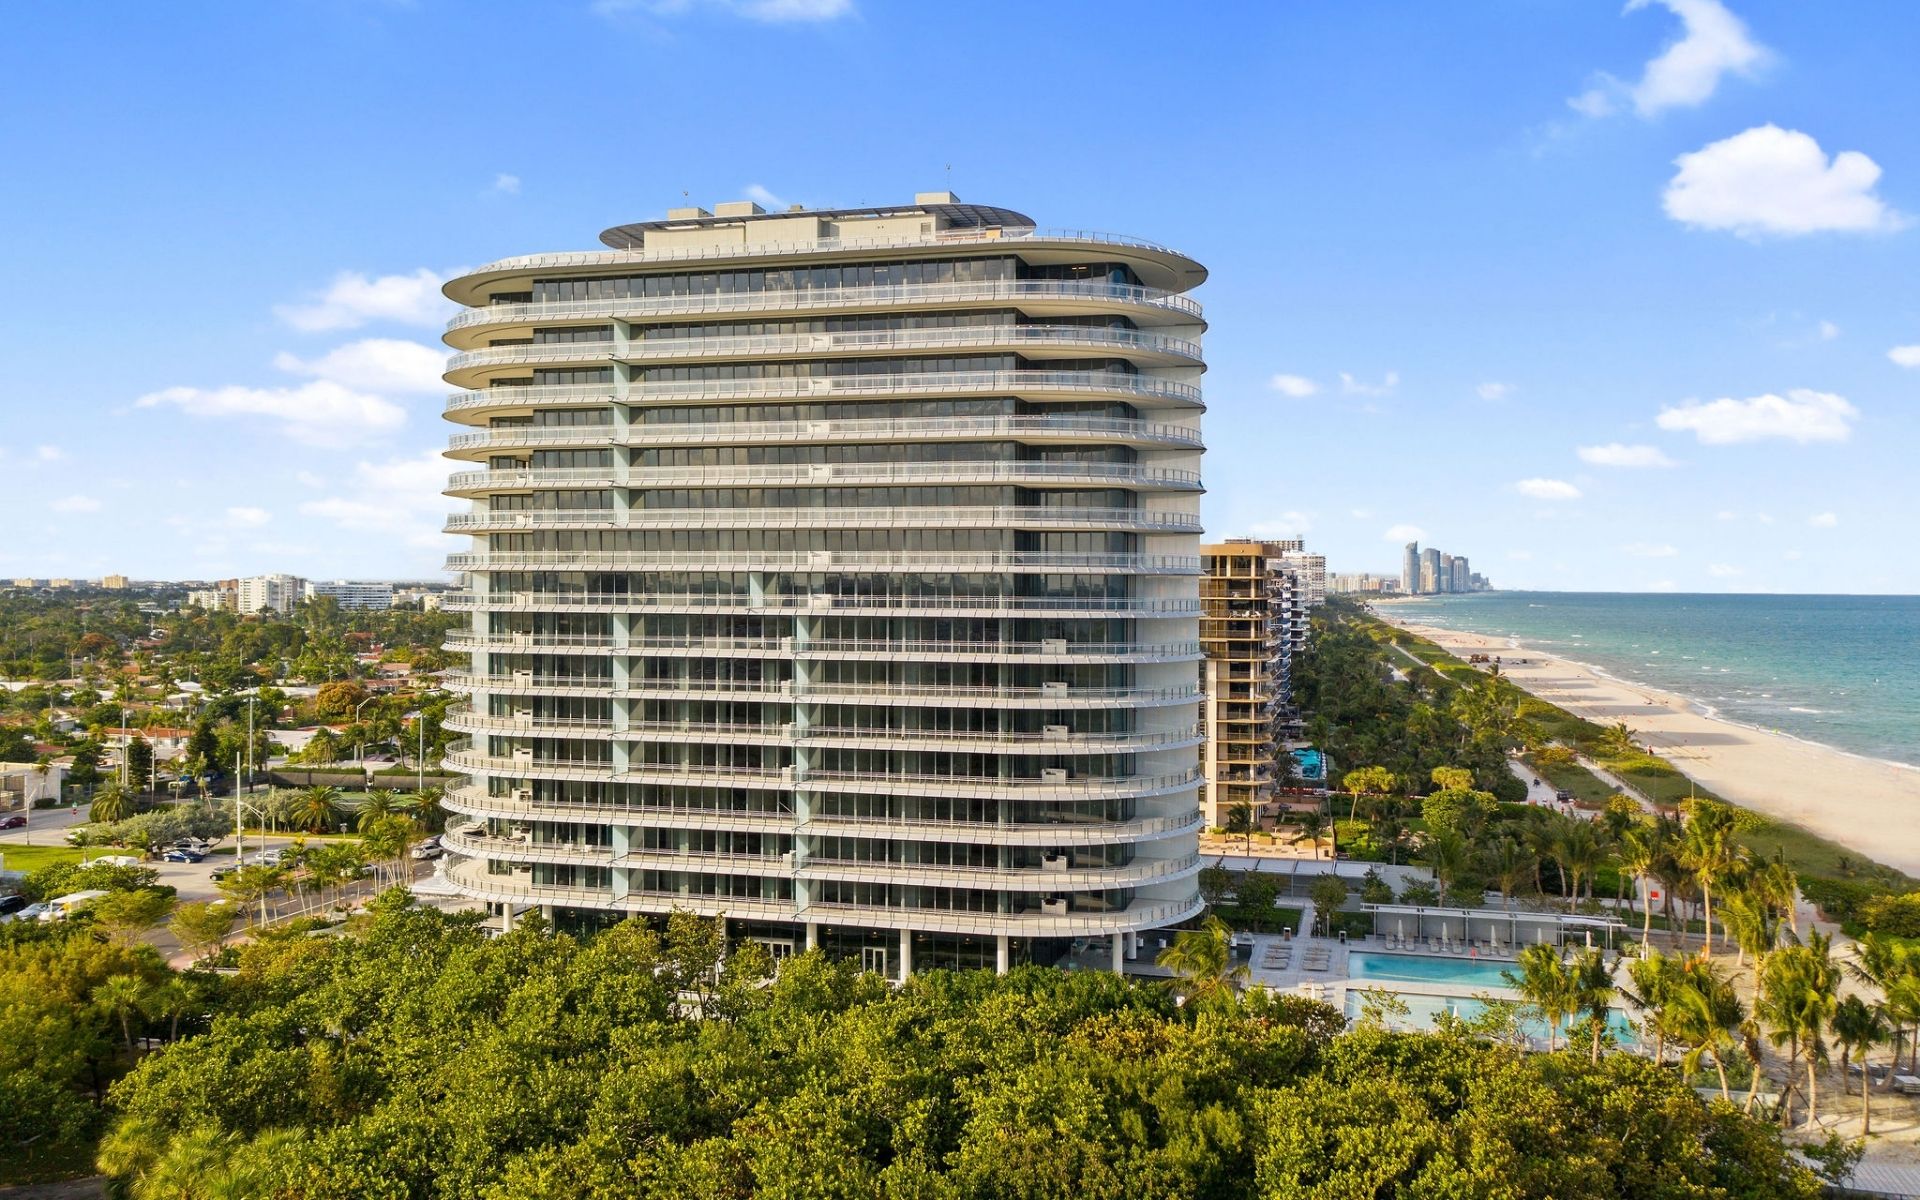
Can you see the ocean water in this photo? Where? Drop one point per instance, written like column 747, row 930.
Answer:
column 1840, row 670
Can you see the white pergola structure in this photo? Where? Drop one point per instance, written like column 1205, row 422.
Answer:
column 1419, row 927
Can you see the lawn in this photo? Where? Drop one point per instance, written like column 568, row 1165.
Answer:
column 32, row 858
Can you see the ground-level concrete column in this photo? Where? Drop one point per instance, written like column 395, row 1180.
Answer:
column 506, row 916
column 1119, row 953
column 813, row 936
column 906, row 954
column 546, row 911
column 1002, row 954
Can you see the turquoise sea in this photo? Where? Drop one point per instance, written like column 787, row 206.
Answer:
column 1840, row 670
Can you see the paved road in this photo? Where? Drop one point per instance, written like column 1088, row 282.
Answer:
column 48, row 827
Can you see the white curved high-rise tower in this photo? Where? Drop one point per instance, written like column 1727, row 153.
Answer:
column 834, row 571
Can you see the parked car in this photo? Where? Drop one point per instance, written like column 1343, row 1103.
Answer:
column 199, row 846
column 16, row 821
column 430, row 848
column 31, row 912
column 270, row 858
column 221, row 872
column 11, row 904
column 116, row 860
column 1564, row 796
column 76, row 833
column 180, row 855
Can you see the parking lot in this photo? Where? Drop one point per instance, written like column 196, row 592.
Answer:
column 193, row 881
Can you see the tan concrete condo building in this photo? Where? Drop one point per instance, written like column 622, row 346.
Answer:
column 835, row 572
column 1255, row 600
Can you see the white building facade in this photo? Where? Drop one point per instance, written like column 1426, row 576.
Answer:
column 835, row 572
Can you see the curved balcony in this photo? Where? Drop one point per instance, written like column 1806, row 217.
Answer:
column 466, row 370
column 1035, row 297
column 1038, row 428
column 834, row 648
column 1016, row 562
column 476, row 804
column 919, row 516
column 468, row 761
column 894, row 694
column 1138, row 873
column 470, row 877
column 474, row 842
column 1061, row 742
column 701, row 602
column 1078, row 341
column 1037, row 474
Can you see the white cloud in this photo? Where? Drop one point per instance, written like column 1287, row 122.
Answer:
column 1828, row 331
column 1297, row 386
column 1649, row 550
column 1355, row 387
column 1770, row 180
column 1723, row 570
column 1802, row 415
column 321, row 413
column 1661, row 585
column 1763, row 518
column 352, row 300
column 1547, row 489
column 1404, row 534
column 1520, row 555
column 1289, row 524
column 1362, row 514
column 374, row 364
column 506, row 184
column 310, row 479
column 1688, row 71
column 248, row 517
column 1825, row 520
column 1905, row 356
column 75, row 504
column 400, row 497
column 49, row 453
column 1494, row 391
column 1726, row 514
column 772, row 12
column 1618, row 454
column 765, row 198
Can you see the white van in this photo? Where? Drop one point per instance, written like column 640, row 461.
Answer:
column 115, row 860
column 61, row 907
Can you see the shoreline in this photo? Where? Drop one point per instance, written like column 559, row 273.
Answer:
column 1851, row 799
column 1702, row 707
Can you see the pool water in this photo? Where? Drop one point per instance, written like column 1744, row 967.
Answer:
column 1418, row 968
column 1424, row 1010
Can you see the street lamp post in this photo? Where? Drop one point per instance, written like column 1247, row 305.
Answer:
column 361, row 754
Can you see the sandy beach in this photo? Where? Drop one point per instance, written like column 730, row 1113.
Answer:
column 1869, row 806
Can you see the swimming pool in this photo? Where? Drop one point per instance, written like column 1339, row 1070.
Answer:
column 1420, row 968
column 1423, row 1010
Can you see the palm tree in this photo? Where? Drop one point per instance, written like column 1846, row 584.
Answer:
column 1509, row 865
column 1890, row 966
column 1447, row 857
column 1707, row 850
column 112, row 803
column 1706, row 1015
column 1590, row 988
column 1859, row 1027
column 379, row 803
column 317, row 809
column 1635, row 851
column 170, row 1000
column 1547, row 985
column 1578, row 851
column 1752, row 924
column 1312, row 825
column 1202, row 962
column 120, row 997
column 424, row 807
column 1795, row 1002
column 1655, row 977
column 1366, row 781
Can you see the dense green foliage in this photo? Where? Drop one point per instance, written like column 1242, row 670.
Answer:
column 422, row 1059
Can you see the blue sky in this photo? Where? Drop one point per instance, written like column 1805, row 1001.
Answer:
column 1452, row 246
